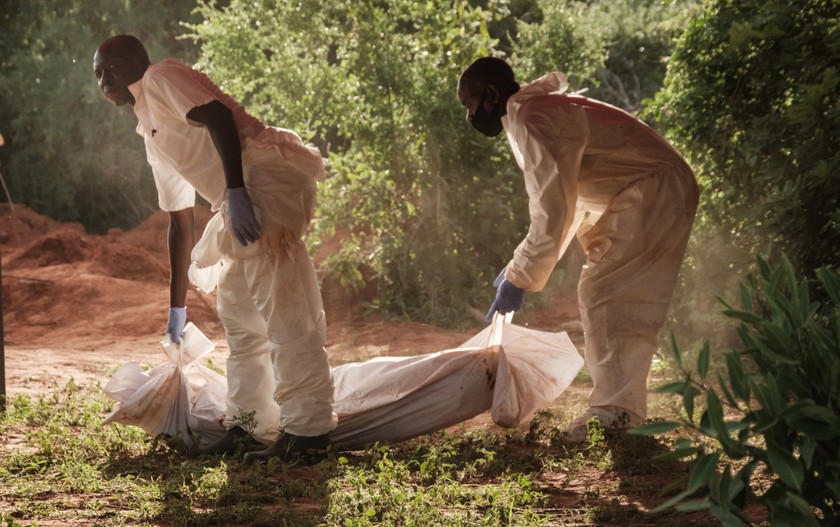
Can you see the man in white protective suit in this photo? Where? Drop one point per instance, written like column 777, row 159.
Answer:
column 594, row 171
column 198, row 139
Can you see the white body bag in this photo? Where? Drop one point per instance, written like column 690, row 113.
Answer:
column 510, row 371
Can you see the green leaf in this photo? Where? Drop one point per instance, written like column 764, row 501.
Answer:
column 769, row 353
column 813, row 421
column 720, row 427
column 787, row 468
column 764, row 267
column 703, row 470
column 737, row 379
column 680, row 453
column 769, row 396
column 673, row 501
column 715, row 411
column 746, row 298
column 676, row 351
column 736, row 426
column 812, row 411
column 774, row 282
column 831, row 283
column 722, row 493
column 744, row 316
column 791, row 273
column 727, row 393
column 688, row 401
column 656, row 427
column 703, row 360
column 781, row 342
column 806, row 451
column 804, row 301
column 742, row 479
column 804, row 510
column 672, row 387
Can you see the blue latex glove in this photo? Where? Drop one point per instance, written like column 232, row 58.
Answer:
column 508, row 297
column 244, row 223
column 175, row 325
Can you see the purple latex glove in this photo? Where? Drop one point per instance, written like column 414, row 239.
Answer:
column 508, row 297
column 176, row 322
column 243, row 221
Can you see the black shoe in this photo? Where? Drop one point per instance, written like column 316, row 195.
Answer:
column 290, row 447
column 234, row 439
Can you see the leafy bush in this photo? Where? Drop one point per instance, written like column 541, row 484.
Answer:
column 752, row 96
column 774, row 409
column 751, row 99
column 560, row 39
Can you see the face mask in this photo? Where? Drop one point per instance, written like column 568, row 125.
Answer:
column 488, row 123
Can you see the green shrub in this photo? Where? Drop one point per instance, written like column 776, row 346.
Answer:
column 772, row 410
column 752, row 98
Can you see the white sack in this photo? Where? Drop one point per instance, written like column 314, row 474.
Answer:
column 393, row 399
column 512, row 371
column 177, row 398
column 509, row 370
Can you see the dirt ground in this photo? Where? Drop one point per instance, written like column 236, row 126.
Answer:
column 79, row 305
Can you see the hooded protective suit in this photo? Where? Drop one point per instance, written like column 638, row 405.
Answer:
column 595, row 171
column 268, row 297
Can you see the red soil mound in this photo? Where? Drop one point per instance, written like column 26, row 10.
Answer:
column 61, row 283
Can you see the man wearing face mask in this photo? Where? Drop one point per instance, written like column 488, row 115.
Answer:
column 595, row 172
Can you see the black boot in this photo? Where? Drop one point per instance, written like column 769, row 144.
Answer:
column 290, row 447
column 234, row 439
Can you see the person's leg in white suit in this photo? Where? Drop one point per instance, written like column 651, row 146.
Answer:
column 285, row 291
column 634, row 253
column 279, row 380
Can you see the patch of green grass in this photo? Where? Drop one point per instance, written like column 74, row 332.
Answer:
column 58, row 464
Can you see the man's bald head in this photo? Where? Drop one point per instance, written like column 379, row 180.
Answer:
column 484, row 89
column 119, row 62
column 126, row 46
column 490, row 70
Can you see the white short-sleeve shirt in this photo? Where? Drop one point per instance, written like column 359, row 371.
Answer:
column 181, row 153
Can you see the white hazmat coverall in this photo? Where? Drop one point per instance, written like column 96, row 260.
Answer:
column 268, row 296
column 595, row 171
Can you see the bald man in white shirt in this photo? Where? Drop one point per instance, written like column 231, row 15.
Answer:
column 261, row 182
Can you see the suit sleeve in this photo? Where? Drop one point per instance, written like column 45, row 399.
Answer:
column 171, row 92
column 552, row 140
column 175, row 90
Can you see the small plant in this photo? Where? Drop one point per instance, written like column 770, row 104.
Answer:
column 783, row 389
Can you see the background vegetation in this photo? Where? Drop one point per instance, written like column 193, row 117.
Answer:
column 429, row 211
column 752, row 98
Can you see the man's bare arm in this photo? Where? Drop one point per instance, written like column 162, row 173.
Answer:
column 222, row 128
column 219, row 122
column 181, row 242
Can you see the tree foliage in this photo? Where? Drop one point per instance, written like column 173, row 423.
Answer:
column 753, row 96
column 432, row 207
column 559, row 40
column 638, row 37
column 69, row 154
